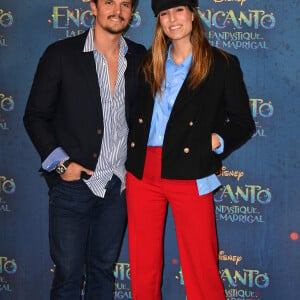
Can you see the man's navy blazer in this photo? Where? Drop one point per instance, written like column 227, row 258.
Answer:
column 64, row 105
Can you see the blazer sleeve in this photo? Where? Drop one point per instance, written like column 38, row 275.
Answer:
column 239, row 125
column 42, row 103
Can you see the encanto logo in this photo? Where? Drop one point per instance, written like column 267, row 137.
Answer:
column 6, row 21
column 7, row 187
column 122, row 284
column 241, row 214
column 241, row 204
column 76, row 21
column 235, row 29
column 8, row 267
column 261, row 110
column 136, row 20
column 73, row 22
column 7, row 105
column 241, row 283
column 250, row 194
column 253, row 19
column 6, row 18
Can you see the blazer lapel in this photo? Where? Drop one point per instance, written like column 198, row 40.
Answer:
column 91, row 78
column 130, row 84
column 185, row 95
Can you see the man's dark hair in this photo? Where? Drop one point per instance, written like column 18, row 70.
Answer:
column 133, row 2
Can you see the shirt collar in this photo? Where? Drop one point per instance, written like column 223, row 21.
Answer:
column 186, row 63
column 90, row 47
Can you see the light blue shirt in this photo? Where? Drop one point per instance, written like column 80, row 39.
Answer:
column 175, row 76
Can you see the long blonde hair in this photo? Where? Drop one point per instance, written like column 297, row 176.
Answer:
column 155, row 60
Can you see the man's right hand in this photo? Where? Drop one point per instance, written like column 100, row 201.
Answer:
column 73, row 172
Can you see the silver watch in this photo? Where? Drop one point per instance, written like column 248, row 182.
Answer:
column 62, row 167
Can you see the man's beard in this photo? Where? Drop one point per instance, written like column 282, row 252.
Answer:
column 111, row 29
column 114, row 31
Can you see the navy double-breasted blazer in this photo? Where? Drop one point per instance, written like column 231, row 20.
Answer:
column 220, row 104
column 64, row 105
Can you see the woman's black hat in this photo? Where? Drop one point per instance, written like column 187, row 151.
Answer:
column 159, row 5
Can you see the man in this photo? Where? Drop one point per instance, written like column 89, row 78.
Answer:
column 77, row 117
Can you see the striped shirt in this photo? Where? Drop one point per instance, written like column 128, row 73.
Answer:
column 114, row 144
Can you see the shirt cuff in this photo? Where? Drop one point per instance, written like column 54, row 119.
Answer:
column 220, row 149
column 208, row 184
column 54, row 158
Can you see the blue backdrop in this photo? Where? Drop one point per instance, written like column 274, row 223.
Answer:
column 257, row 209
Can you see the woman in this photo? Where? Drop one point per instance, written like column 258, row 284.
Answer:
column 193, row 110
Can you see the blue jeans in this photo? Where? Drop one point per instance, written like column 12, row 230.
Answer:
column 85, row 230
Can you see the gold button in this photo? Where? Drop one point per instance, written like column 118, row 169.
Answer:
column 132, row 145
column 141, row 121
column 99, row 131
column 186, row 150
column 191, row 123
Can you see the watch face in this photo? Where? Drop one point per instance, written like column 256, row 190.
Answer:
column 60, row 169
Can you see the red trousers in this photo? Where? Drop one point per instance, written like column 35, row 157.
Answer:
column 195, row 230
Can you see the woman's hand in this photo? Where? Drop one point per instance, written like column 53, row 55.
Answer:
column 215, row 142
